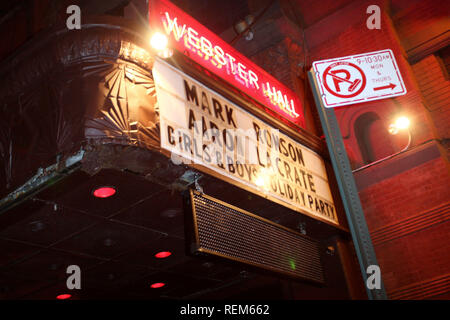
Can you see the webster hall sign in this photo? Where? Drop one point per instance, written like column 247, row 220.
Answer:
column 210, row 51
column 204, row 128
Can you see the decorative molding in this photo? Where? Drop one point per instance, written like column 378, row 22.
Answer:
column 69, row 90
column 57, row 51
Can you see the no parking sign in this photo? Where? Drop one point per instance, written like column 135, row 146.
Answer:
column 359, row 78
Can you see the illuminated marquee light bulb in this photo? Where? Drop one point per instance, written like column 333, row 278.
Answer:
column 263, row 178
column 159, row 41
column 259, row 181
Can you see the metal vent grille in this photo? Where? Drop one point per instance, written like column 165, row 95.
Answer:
column 224, row 230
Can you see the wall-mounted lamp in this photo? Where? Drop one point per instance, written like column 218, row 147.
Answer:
column 400, row 123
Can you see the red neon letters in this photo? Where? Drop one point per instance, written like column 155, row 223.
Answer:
column 190, row 37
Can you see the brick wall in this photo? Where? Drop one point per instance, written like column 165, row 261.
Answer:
column 405, row 199
column 416, row 16
column 421, row 25
column 435, row 87
column 408, row 216
column 405, row 194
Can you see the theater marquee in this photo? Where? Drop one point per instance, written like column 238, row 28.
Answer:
column 201, row 127
column 193, row 39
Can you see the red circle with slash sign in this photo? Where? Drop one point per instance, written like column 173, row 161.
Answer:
column 359, row 80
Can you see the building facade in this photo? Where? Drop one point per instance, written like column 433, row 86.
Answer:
column 105, row 68
column 402, row 179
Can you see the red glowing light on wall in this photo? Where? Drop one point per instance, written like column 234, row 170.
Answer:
column 207, row 49
column 64, row 296
column 104, row 192
column 157, row 285
column 163, row 254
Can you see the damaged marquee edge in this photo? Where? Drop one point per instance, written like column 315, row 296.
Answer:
column 44, row 178
column 47, row 177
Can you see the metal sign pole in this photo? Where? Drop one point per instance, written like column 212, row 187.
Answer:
column 349, row 193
